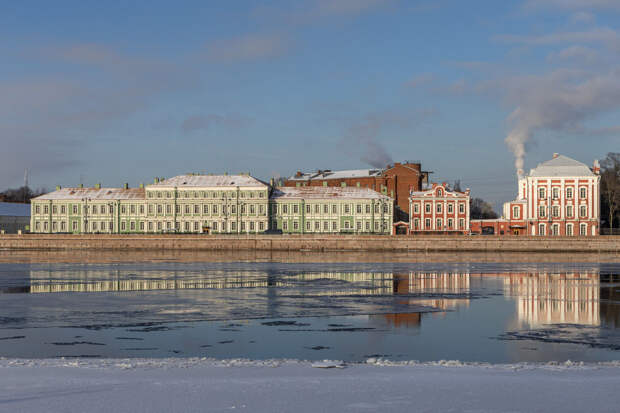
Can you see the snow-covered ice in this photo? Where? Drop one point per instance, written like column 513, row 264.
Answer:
column 205, row 385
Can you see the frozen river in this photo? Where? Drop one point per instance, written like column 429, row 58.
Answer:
column 479, row 312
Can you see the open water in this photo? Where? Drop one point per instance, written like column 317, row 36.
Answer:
column 484, row 312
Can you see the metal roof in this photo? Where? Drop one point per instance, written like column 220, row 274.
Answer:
column 208, row 181
column 93, row 194
column 12, row 209
column 561, row 166
column 327, row 174
column 326, row 192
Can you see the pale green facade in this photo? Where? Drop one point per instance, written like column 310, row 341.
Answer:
column 312, row 210
column 220, row 204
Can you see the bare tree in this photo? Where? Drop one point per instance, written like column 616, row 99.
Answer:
column 610, row 188
column 479, row 209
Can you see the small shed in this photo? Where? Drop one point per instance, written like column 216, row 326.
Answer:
column 14, row 217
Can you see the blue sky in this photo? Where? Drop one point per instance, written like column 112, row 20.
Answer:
column 116, row 92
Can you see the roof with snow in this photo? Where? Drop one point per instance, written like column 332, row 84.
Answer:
column 561, row 166
column 329, row 174
column 207, row 181
column 326, row 192
column 93, row 194
column 12, row 209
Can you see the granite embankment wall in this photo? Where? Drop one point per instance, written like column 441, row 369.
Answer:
column 608, row 244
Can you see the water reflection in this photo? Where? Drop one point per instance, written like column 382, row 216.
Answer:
column 343, row 311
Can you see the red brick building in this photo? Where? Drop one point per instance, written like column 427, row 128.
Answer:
column 439, row 211
column 395, row 181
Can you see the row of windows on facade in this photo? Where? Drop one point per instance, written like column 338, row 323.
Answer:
column 152, row 226
column 438, row 208
column 347, row 208
column 195, row 226
column 132, row 209
column 555, row 229
column 555, row 211
column 206, row 194
column 347, row 225
column 439, row 224
column 555, row 192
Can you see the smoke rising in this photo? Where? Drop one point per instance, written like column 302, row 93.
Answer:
column 561, row 101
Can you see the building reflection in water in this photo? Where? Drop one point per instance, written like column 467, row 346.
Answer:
column 562, row 298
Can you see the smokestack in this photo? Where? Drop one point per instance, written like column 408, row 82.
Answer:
column 555, row 155
column 126, row 186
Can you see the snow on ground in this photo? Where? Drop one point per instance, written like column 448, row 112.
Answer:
column 208, row 385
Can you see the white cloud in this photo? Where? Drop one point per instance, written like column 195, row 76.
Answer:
column 580, row 54
column 583, row 17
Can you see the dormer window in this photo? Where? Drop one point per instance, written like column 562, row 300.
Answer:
column 439, row 192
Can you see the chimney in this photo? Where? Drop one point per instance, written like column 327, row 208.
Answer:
column 58, row 187
column 596, row 167
column 126, row 186
column 156, row 180
column 396, row 163
column 555, row 155
column 141, row 185
column 98, row 186
column 298, row 174
column 81, row 185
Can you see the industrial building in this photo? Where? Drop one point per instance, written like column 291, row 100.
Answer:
column 14, row 217
column 395, row 181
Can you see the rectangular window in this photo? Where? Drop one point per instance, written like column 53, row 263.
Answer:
column 555, row 192
column 367, row 226
column 358, row 226
column 569, row 211
column 261, row 225
column 55, row 226
column 150, row 209
column 427, row 208
column 55, row 210
column 308, row 225
column 197, row 209
column 583, row 229
column 150, row 226
column 317, row 209
column 583, row 211
column 252, row 226
column 75, row 209
column 317, row 225
column 427, row 223
column 461, row 223
column 367, row 208
column 439, row 223
column 346, row 224
column 416, row 208
column 205, row 209
column 284, row 225
column 123, row 209
column 252, row 209
column 214, row 225
column 541, row 229
column 159, row 226
column 334, row 209
column 37, row 209
column 582, row 192
column 63, row 226
column 186, row 226
column 450, row 208
column 101, row 208
column 196, row 226
column 285, row 209
column 46, row 209
column 326, row 226
column 416, row 224
column 450, row 223
column 295, row 209
column 569, row 230
column 555, row 211
column 177, row 209
column 123, row 226
column 515, row 212
column 347, row 209
column 295, row 225
column 359, row 209
column 569, row 193
column 160, row 209
column 132, row 226
column 214, row 209
column 439, row 208
column 334, row 226
column 133, row 209
column 187, row 210
column 75, row 226
column 541, row 193
column 326, row 209
column 555, row 229
column 541, row 211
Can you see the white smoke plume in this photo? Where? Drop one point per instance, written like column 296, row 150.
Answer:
column 561, row 101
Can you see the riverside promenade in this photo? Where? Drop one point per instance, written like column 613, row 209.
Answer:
column 327, row 243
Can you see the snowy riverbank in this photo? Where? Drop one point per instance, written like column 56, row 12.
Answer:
column 193, row 385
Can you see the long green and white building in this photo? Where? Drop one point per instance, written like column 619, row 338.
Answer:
column 225, row 204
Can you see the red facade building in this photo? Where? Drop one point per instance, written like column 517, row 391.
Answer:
column 439, row 211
